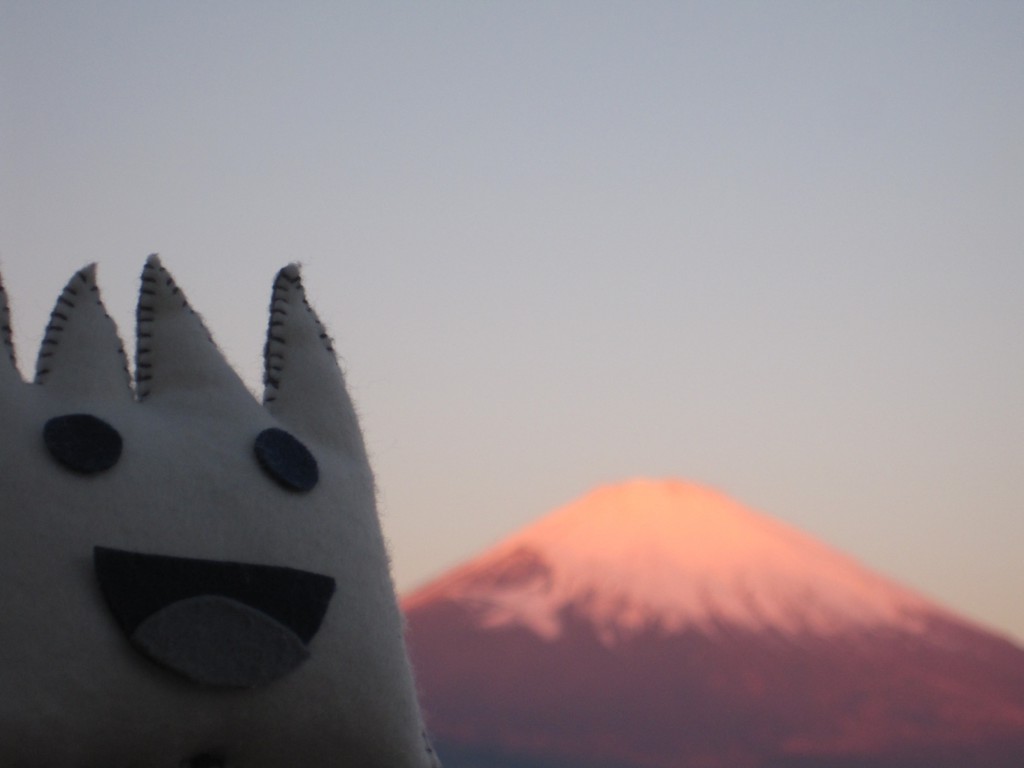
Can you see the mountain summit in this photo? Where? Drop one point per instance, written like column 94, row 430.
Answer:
column 662, row 624
column 670, row 555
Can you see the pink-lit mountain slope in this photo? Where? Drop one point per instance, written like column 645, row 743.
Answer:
column 658, row 624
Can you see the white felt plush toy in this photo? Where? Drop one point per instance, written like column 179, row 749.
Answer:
column 189, row 578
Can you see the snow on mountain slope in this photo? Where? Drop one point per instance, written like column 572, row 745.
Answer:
column 668, row 555
column 658, row 624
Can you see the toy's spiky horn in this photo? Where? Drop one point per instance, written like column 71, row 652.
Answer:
column 8, row 370
column 81, row 351
column 175, row 354
column 304, row 386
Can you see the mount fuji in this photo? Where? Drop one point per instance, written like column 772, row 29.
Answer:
column 659, row 624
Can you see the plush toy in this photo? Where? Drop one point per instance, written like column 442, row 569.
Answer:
column 189, row 578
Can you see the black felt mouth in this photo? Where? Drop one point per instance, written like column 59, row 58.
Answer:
column 197, row 616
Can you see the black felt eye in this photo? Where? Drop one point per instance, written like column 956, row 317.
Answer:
column 82, row 443
column 286, row 460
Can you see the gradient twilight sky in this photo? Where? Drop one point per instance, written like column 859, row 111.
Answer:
column 777, row 248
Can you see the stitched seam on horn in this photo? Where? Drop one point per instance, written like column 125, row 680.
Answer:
column 54, row 331
column 59, row 320
column 95, row 289
column 145, row 317
column 287, row 284
column 325, row 339
column 144, row 333
column 274, row 348
column 5, row 324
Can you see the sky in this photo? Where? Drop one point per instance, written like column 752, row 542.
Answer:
column 775, row 248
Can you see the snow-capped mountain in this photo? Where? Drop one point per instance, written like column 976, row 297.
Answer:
column 671, row 555
column 661, row 624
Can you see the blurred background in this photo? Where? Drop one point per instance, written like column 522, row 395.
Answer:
column 776, row 248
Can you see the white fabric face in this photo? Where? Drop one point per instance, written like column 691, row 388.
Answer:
column 173, row 593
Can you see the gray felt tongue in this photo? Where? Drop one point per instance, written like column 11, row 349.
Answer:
column 217, row 641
